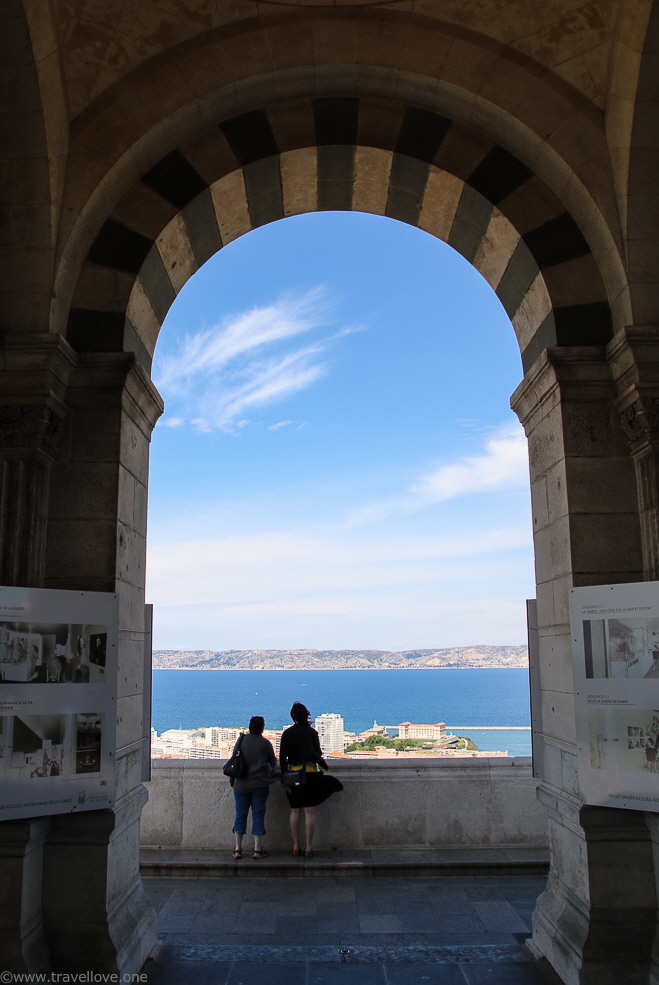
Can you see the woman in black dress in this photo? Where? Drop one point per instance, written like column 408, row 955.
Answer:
column 300, row 750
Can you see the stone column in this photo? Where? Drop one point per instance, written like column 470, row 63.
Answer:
column 634, row 357
column 96, row 913
column 34, row 373
column 586, row 532
column 652, row 821
column 22, row 942
column 633, row 354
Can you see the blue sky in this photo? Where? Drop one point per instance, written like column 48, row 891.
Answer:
column 337, row 465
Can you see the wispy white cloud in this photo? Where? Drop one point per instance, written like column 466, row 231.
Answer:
column 501, row 464
column 250, row 360
column 279, row 424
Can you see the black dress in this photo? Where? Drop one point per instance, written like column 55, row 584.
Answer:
column 300, row 744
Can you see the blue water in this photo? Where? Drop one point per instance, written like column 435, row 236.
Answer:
column 190, row 698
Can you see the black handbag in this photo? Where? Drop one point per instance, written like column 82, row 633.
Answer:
column 236, row 767
column 295, row 778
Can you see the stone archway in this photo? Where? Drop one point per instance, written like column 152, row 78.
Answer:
column 509, row 151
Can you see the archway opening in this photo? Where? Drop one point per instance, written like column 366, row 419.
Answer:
column 337, row 467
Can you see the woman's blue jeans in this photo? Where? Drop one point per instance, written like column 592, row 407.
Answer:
column 256, row 799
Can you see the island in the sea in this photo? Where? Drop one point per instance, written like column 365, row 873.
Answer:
column 454, row 658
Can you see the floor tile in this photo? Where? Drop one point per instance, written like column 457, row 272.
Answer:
column 499, row 917
column 504, row 974
column 383, row 940
column 337, row 917
column 255, row 918
column 247, row 972
column 177, row 917
column 379, row 923
column 424, row 974
column 479, row 939
column 168, row 971
column 343, row 973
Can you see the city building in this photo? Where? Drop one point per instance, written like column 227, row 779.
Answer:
column 436, row 732
column 330, row 732
column 375, row 730
column 526, row 136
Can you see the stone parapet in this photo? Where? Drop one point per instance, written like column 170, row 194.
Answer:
column 391, row 804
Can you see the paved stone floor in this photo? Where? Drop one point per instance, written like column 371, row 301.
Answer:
column 322, row 929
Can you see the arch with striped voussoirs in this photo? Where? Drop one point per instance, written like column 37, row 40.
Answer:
column 336, row 153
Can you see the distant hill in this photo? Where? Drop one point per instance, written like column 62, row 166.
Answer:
column 458, row 657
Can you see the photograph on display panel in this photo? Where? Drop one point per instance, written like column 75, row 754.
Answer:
column 623, row 739
column 38, row 746
column 621, row 648
column 54, row 653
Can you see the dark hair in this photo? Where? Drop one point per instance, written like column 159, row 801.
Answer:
column 256, row 725
column 300, row 713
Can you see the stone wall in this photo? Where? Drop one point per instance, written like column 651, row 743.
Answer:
column 404, row 804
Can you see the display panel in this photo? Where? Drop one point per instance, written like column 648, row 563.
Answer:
column 58, row 669
column 615, row 645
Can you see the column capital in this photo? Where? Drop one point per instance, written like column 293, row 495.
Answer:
column 633, row 355
column 575, row 372
column 35, row 370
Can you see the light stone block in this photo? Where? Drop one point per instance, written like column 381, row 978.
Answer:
column 558, row 715
column 174, row 247
column 440, row 203
column 372, row 171
column 496, row 248
column 129, row 719
column 142, row 316
column 230, row 202
column 162, row 818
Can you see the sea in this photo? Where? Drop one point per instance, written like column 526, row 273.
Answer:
column 471, row 702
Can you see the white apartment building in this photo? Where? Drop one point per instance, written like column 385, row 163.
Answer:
column 330, row 733
column 409, row 730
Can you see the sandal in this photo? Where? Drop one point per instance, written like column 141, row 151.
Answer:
column 297, row 852
column 237, row 853
column 260, row 854
column 308, row 853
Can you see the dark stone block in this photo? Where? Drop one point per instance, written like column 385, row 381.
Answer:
column 250, row 136
column 95, row 331
column 544, row 337
column 119, row 247
column 201, row 225
column 263, row 189
column 470, row 223
column 336, row 173
column 407, row 186
column 336, row 119
column 584, row 324
column 556, row 241
column 421, row 134
column 175, row 179
column 156, row 283
column 517, row 278
column 499, row 174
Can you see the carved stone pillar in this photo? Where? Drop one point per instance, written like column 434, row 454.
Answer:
column 34, row 373
column 74, row 446
column 633, row 355
column 96, row 914
column 23, row 946
column 33, row 377
column 586, row 532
